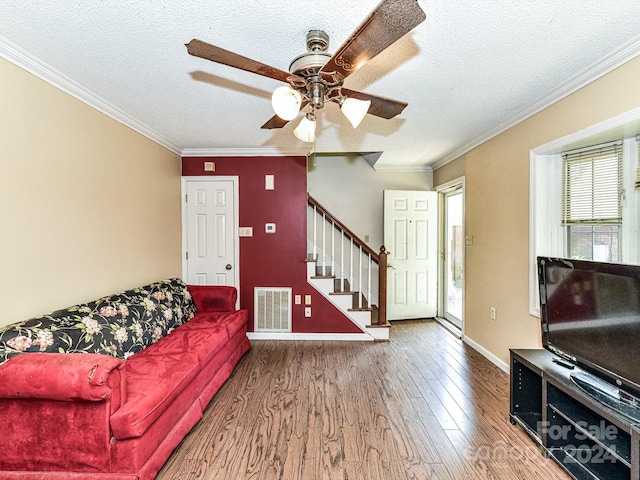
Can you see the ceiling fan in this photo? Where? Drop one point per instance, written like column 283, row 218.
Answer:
column 317, row 77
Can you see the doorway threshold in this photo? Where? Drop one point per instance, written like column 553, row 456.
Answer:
column 450, row 327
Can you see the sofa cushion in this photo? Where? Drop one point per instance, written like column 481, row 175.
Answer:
column 118, row 325
column 156, row 376
column 232, row 322
column 224, row 299
column 206, row 342
column 58, row 376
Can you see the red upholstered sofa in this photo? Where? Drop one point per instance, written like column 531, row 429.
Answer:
column 107, row 389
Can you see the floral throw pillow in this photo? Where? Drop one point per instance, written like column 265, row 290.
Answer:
column 118, row 325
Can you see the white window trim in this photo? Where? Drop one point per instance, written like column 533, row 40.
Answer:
column 544, row 203
column 630, row 203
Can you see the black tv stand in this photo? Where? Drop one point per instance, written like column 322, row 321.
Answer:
column 605, row 393
column 590, row 439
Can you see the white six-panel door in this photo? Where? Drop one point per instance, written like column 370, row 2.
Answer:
column 211, row 232
column 411, row 237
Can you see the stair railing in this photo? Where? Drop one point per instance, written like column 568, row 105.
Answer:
column 340, row 252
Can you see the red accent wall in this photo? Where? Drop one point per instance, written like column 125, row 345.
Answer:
column 275, row 260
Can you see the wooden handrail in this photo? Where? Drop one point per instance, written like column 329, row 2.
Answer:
column 341, row 226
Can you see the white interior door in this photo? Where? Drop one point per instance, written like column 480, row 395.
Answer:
column 211, row 232
column 411, row 237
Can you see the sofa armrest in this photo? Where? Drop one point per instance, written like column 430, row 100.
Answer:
column 59, row 376
column 213, row 298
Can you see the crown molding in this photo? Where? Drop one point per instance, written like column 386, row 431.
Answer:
column 403, row 168
column 37, row 67
column 618, row 57
column 245, row 152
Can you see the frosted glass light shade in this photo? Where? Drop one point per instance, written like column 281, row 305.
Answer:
column 306, row 130
column 355, row 110
column 286, row 103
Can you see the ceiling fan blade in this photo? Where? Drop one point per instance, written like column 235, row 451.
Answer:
column 390, row 21
column 380, row 106
column 277, row 122
column 274, row 122
column 201, row 49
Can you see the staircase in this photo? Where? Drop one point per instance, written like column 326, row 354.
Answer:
column 347, row 272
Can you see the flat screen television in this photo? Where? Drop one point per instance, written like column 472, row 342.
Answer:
column 590, row 313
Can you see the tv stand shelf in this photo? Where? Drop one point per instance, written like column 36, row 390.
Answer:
column 587, row 438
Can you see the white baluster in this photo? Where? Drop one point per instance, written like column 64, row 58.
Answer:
column 360, row 278
column 315, row 232
column 323, row 242
column 333, row 244
column 351, row 263
column 342, row 269
column 369, row 281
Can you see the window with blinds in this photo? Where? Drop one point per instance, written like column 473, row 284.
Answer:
column 591, row 201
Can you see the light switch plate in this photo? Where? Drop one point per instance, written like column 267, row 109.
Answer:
column 307, row 311
column 307, row 299
column 298, row 299
column 245, row 232
column 269, row 182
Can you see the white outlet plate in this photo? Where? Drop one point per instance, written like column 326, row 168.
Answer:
column 307, row 311
column 493, row 313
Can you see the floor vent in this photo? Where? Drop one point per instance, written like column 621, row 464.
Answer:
column 272, row 307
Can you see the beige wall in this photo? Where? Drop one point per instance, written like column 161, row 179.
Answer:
column 88, row 207
column 353, row 191
column 497, row 209
column 452, row 170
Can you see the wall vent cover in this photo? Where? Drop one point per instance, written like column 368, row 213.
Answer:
column 272, row 309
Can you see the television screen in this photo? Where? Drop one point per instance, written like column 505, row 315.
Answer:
column 591, row 315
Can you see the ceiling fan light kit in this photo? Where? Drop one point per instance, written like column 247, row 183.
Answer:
column 317, row 77
column 354, row 109
column 306, row 129
column 286, row 102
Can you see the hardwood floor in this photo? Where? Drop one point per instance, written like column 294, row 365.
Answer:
column 422, row 406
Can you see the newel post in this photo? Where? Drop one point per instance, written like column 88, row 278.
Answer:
column 382, row 286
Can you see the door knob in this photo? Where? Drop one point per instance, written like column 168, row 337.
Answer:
column 228, row 267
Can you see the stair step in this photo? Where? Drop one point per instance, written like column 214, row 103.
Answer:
column 323, row 276
column 363, row 309
column 342, row 293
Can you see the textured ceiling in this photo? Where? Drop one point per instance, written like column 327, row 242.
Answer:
column 469, row 70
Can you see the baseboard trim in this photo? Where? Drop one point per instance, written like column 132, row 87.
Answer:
column 487, row 354
column 351, row 337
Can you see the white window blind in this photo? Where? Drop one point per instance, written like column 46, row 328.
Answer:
column 592, row 185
